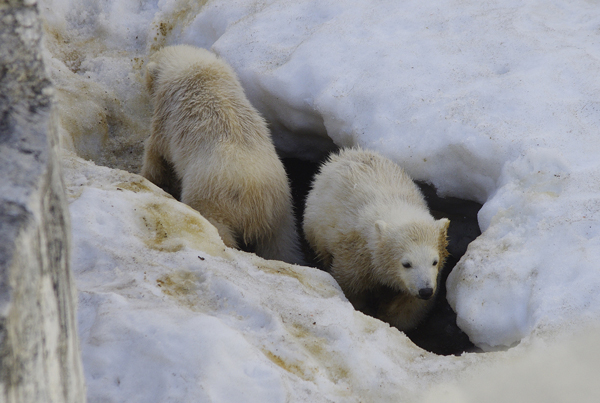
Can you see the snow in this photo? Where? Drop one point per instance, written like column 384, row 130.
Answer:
column 495, row 102
column 557, row 373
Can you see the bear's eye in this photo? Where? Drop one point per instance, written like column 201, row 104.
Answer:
column 435, row 262
column 407, row 265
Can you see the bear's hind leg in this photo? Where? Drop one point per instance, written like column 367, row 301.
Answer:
column 209, row 210
column 155, row 167
column 225, row 232
column 282, row 243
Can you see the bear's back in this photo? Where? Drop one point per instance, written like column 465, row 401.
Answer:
column 196, row 93
column 368, row 178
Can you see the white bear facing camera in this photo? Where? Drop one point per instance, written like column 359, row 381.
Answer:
column 220, row 149
column 369, row 224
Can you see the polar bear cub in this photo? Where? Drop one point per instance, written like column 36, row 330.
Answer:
column 369, row 223
column 220, row 149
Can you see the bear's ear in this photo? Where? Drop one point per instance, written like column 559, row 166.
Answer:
column 380, row 226
column 443, row 239
column 443, row 224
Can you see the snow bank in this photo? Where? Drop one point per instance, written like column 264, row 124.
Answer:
column 167, row 313
column 564, row 371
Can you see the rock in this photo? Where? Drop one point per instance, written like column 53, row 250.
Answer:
column 39, row 348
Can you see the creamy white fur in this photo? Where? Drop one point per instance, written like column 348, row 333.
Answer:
column 365, row 218
column 220, row 149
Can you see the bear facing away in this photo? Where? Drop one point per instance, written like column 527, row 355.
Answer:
column 369, row 224
column 220, row 149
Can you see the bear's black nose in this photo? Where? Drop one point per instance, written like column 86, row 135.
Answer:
column 425, row 293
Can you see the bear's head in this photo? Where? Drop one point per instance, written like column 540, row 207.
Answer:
column 409, row 257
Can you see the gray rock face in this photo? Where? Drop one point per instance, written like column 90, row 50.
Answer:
column 39, row 348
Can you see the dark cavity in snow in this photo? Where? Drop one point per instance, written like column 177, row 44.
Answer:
column 438, row 333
